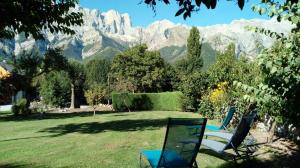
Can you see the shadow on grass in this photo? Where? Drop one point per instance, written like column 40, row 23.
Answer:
column 19, row 165
column 97, row 127
column 24, row 138
column 225, row 156
column 277, row 159
column 46, row 116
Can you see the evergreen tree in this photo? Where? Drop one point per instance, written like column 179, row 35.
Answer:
column 97, row 71
column 194, row 59
column 55, row 89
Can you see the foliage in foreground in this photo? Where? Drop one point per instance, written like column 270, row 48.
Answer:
column 279, row 93
column 34, row 16
column 186, row 7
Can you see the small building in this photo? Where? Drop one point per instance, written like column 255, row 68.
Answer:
column 5, row 72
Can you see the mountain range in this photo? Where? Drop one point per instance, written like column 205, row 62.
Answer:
column 105, row 34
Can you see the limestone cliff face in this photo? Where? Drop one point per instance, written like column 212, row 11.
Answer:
column 103, row 30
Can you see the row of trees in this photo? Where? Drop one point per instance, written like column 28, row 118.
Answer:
column 76, row 84
column 49, row 72
column 68, row 83
column 61, row 82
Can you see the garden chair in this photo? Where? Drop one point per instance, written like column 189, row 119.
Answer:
column 233, row 140
column 225, row 123
column 181, row 144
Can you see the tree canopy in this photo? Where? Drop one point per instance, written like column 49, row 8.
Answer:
column 138, row 70
column 97, row 71
column 55, row 89
column 34, row 16
column 76, row 75
column 30, row 66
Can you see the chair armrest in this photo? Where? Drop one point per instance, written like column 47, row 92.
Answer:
column 224, row 135
column 188, row 141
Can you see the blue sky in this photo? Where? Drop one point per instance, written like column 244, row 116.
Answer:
column 142, row 15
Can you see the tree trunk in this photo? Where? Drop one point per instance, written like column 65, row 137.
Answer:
column 72, row 106
column 27, row 96
column 272, row 132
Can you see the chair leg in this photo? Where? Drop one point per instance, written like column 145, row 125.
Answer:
column 195, row 165
column 234, row 159
column 140, row 160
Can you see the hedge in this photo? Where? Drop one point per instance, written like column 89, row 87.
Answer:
column 165, row 101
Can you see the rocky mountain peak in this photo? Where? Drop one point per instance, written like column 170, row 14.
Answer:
column 103, row 31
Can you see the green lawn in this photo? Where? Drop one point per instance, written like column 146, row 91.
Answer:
column 81, row 140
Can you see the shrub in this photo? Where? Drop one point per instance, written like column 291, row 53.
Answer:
column 20, row 107
column 206, row 108
column 166, row 101
column 95, row 95
column 193, row 87
column 215, row 100
column 37, row 107
column 55, row 89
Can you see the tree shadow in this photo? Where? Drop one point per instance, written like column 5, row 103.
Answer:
column 20, row 165
column 33, row 137
column 276, row 160
column 120, row 115
column 47, row 116
column 98, row 127
column 225, row 156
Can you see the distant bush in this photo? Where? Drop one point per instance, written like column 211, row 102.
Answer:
column 20, row 107
column 166, row 101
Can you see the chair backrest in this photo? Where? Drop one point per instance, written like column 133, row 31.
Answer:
column 242, row 130
column 182, row 142
column 230, row 113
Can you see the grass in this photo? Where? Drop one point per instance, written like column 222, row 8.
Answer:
column 80, row 140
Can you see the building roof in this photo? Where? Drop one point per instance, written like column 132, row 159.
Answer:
column 5, row 70
column 6, row 66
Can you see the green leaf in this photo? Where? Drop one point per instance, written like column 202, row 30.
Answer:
column 273, row 70
column 206, row 3
column 180, row 11
column 269, row 64
column 166, row 1
column 213, row 4
column 241, row 4
column 185, row 15
column 198, row 2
